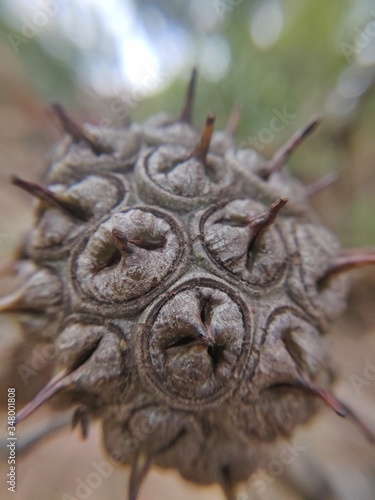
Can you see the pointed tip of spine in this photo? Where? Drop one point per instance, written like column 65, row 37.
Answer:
column 321, row 184
column 11, row 302
column 352, row 259
column 283, row 153
column 81, row 418
column 187, row 110
column 262, row 222
column 234, row 119
column 227, row 484
column 201, row 149
column 69, row 207
column 310, row 126
column 276, row 206
column 139, row 469
column 73, row 129
column 60, row 381
column 337, row 406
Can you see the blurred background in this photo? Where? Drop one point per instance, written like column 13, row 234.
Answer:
column 108, row 62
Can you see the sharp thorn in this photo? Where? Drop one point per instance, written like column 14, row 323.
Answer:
column 263, row 221
column 201, row 149
column 73, row 129
column 351, row 259
column 17, row 267
column 45, row 194
column 81, row 417
column 337, row 406
column 328, row 399
column 283, row 153
column 11, row 302
column 227, row 485
column 187, row 110
column 321, row 184
column 233, row 120
column 60, row 381
column 139, row 470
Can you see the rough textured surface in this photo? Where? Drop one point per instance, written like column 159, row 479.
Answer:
column 184, row 294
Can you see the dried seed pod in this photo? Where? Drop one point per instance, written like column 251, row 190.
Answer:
column 186, row 285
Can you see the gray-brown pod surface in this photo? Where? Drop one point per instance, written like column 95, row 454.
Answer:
column 186, row 285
